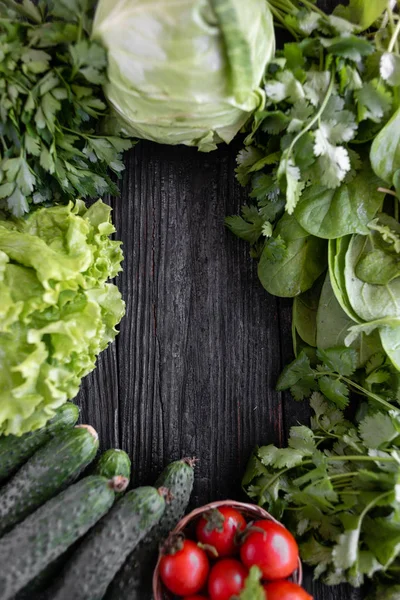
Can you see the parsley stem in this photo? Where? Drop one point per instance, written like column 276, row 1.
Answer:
column 315, row 118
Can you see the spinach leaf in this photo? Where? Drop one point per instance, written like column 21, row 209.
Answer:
column 333, row 326
column 378, row 267
column 333, row 213
column 304, row 317
column 332, row 322
column 385, row 150
column 299, row 262
column 369, row 301
column 390, row 337
column 336, row 258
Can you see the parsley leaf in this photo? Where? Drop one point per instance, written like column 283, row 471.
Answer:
column 52, row 105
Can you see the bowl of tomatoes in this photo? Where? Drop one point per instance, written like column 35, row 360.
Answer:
column 208, row 556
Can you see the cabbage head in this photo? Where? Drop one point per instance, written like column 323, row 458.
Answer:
column 185, row 71
column 57, row 311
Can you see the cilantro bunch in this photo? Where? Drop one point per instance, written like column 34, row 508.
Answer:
column 336, row 486
column 51, row 106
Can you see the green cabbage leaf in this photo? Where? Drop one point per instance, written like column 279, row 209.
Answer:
column 57, row 311
column 185, row 71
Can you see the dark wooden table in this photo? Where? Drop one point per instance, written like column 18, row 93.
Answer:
column 193, row 370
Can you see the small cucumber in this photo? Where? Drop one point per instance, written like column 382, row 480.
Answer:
column 113, row 462
column 51, row 529
column 51, row 468
column 133, row 581
column 15, row 450
column 94, row 565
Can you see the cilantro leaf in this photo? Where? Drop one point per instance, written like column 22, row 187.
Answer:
column 335, row 390
column 249, row 227
column 341, row 359
column 298, row 377
column 373, row 101
column 377, row 430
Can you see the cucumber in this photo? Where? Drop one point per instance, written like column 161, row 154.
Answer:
column 51, row 529
column 134, row 580
column 15, row 450
column 103, row 552
column 51, row 468
column 113, row 462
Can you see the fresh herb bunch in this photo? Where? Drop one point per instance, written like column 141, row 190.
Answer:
column 51, row 104
column 337, row 487
column 328, row 94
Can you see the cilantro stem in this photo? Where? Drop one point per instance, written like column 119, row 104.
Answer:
column 315, row 118
column 387, row 191
column 281, row 19
column 314, row 8
column 393, row 41
column 358, row 387
column 347, row 457
column 369, row 394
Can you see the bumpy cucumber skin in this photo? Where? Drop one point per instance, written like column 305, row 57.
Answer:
column 51, row 468
column 15, row 450
column 133, row 581
column 50, row 530
column 113, row 462
column 94, row 565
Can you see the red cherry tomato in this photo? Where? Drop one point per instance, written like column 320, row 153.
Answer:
column 186, row 571
column 218, row 528
column 227, row 578
column 274, row 551
column 285, row 590
column 195, row 598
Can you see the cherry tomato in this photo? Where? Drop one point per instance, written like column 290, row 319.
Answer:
column 186, row 571
column 227, row 578
column 285, row 590
column 195, row 598
column 218, row 528
column 274, row 551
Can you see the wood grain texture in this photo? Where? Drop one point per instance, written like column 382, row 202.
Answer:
column 193, row 370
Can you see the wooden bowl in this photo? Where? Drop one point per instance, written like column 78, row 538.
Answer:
column 250, row 511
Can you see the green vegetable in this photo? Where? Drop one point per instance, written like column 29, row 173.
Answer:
column 385, row 150
column 94, row 565
column 361, row 13
column 50, row 469
column 51, row 529
column 135, row 577
column 335, row 486
column 113, row 462
column 291, row 260
column 328, row 213
column 56, row 310
column 14, row 451
column 186, row 73
column 253, row 589
column 51, row 100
